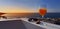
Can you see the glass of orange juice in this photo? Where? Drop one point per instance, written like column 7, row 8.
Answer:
column 42, row 12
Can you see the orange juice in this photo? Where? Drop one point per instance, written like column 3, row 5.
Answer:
column 42, row 11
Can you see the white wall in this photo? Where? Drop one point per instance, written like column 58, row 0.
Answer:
column 31, row 26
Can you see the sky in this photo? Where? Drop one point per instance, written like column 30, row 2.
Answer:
column 53, row 5
column 22, row 6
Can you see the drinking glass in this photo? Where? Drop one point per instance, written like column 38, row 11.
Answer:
column 42, row 12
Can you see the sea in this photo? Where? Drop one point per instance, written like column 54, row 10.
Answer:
column 48, row 15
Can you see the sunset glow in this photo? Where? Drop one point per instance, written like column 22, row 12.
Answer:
column 29, row 6
column 16, row 10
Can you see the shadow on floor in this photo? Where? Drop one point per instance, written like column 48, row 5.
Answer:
column 16, row 24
